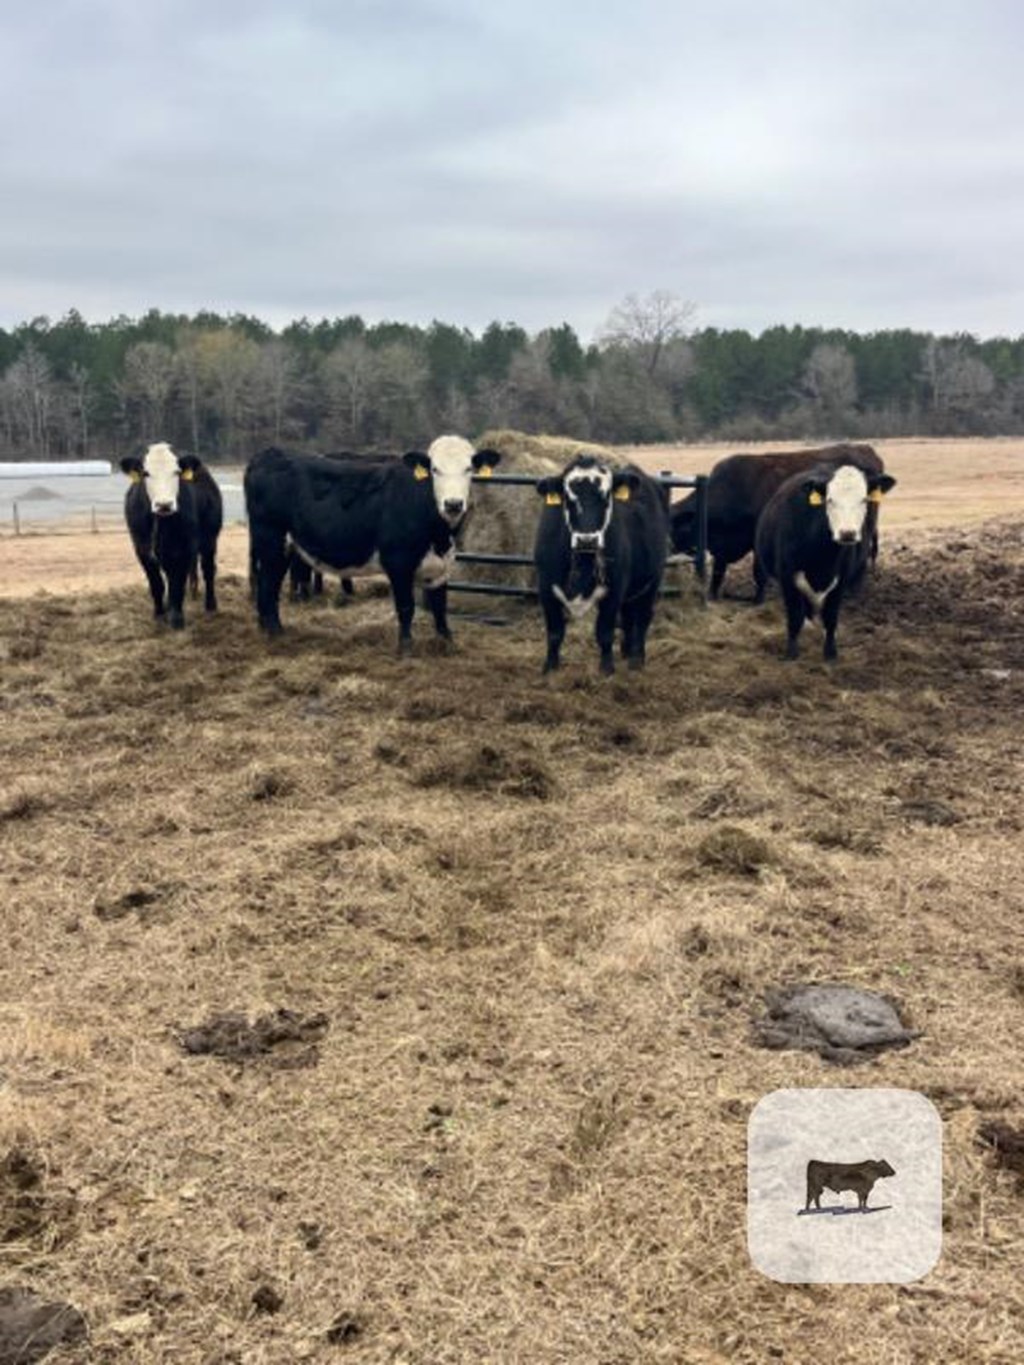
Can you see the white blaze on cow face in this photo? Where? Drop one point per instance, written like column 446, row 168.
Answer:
column 846, row 504
column 451, row 468
column 161, row 473
column 588, row 506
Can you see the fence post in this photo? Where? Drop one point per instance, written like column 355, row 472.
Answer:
column 700, row 559
column 17, row 522
column 92, row 510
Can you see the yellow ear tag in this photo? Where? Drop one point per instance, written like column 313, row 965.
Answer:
column 815, row 498
column 485, row 471
column 622, row 493
column 135, row 476
column 875, row 495
column 552, row 499
column 188, row 475
column 420, row 472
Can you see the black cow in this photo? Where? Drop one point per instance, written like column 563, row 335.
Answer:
column 174, row 513
column 602, row 540
column 859, row 1176
column 739, row 488
column 340, row 514
column 813, row 537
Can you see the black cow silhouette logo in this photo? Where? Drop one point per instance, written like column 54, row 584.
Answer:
column 859, row 1176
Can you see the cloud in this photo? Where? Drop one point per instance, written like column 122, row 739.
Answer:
column 859, row 166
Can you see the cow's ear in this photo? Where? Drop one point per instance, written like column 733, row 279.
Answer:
column 485, row 462
column 132, row 466
column 879, row 485
column 625, row 482
column 189, row 466
column 550, row 489
column 815, row 490
column 418, row 463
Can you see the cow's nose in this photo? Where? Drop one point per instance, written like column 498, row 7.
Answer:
column 453, row 507
column 848, row 537
column 588, row 542
column 163, row 509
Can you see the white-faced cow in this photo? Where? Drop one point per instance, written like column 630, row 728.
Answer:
column 813, row 537
column 174, row 512
column 346, row 515
column 739, row 488
column 602, row 541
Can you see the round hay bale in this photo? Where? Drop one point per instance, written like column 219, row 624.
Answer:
column 503, row 519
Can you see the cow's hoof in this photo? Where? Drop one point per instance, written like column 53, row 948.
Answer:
column 211, row 607
column 607, row 667
column 271, row 629
column 176, row 621
column 550, row 666
column 636, row 663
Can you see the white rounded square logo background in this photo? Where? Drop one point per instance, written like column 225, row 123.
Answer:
column 894, row 1245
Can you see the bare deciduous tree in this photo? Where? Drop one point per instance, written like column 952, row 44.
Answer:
column 648, row 325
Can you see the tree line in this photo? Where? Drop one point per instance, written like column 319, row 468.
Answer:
column 224, row 386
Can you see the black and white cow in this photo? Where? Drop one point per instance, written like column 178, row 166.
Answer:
column 814, row 537
column 343, row 515
column 174, row 512
column 602, row 541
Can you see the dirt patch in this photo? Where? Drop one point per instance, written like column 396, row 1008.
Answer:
column 234, row 1038
column 1007, row 1147
column 32, row 1212
column 30, row 1327
column 489, row 769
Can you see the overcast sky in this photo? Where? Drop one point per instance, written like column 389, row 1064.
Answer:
column 857, row 163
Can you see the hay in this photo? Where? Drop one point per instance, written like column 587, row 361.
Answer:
column 524, row 1137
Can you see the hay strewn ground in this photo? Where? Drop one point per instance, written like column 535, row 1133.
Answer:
column 520, row 1133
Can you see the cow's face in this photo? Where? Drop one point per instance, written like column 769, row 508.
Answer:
column 587, row 491
column 160, row 472
column 585, row 494
column 883, row 1168
column 450, row 464
column 846, row 497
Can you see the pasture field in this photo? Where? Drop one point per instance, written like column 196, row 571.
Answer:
column 520, row 928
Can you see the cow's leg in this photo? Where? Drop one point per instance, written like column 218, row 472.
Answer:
column 405, row 604
column 796, row 612
column 154, row 577
column 318, row 583
column 177, row 581
column 604, row 633
column 643, row 614
column 193, row 578
column 719, row 566
column 760, row 581
column 270, row 564
column 554, row 621
column 208, row 558
column 437, row 601
column 830, row 620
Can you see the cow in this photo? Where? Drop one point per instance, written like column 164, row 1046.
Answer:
column 343, row 514
column 859, row 1176
column 738, row 490
column 174, row 511
column 602, row 541
column 813, row 538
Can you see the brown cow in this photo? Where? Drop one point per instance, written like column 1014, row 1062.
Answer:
column 739, row 489
column 859, row 1176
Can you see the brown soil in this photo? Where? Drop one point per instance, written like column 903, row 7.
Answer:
column 541, row 916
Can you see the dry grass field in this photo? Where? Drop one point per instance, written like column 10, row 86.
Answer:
column 520, row 929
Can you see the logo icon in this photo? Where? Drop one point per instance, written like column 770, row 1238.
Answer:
column 803, row 1226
